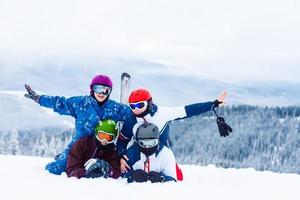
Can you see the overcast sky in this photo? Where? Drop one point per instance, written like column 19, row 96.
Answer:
column 225, row 40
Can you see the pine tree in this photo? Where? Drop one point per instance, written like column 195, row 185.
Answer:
column 51, row 151
column 13, row 145
column 2, row 143
column 41, row 145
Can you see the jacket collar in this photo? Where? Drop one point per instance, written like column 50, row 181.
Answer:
column 153, row 109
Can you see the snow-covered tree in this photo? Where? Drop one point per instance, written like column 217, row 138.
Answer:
column 13, row 142
column 2, row 143
column 266, row 138
column 51, row 151
column 41, row 145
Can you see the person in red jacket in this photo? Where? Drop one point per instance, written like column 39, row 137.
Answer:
column 95, row 156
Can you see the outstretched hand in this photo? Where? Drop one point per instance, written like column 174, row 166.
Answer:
column 222, row 98
column 31, row 94
column 123, row 164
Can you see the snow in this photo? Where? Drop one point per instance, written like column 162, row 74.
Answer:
column 25, row 178
column 199, row 47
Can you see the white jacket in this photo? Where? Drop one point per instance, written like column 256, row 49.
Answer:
column 164, row 162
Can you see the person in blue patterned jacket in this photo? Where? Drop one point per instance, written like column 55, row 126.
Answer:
column 87, row 111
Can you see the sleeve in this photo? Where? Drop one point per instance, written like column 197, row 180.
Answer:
column 169, row 165
column 126, row 134
column 164, row 136
column 198, row 108
column 61, row 105
column 122, row 144
column 168, row 178
column 75, row 162
column 133, row 155
column 170, row 113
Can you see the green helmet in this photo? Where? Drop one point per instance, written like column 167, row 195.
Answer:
column 108, row 126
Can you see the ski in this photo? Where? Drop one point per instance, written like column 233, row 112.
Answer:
column 125, row 86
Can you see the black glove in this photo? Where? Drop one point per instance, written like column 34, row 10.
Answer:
column 155, row 177
column 31, row 94
column 224, row 128
column 216, row 103
column 138, row 175
column 97, row 168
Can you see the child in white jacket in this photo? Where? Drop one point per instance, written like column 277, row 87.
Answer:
column 148, row 159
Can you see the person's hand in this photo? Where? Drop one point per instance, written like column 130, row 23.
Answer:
column 31, row 94
column 123, row 164
column 138, row 175
column 155, row 177
column 97, row 168
column 222, row 98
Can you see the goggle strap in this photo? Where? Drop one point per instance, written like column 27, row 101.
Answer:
column 105, row 140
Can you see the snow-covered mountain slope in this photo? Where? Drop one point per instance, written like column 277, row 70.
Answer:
column 71, row 78
column 17, row 112
column 25, row 178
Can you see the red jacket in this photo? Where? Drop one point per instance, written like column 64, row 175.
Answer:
column 87, row 148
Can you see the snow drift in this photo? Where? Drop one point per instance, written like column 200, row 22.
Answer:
column 25, row 178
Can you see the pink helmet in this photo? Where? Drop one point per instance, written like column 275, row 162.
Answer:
column 101, row 80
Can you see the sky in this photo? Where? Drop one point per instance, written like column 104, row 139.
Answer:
column 229, row 40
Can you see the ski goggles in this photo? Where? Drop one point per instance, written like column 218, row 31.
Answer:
column 105, row 137
column 101, row 89
column 138, row 105
column 147, row 143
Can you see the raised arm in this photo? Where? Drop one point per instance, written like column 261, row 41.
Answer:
column 61, row 105
column 199, row 108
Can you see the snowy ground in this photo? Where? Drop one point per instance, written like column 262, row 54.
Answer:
column 24, row 178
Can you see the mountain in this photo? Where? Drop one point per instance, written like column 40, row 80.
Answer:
column 168, row 87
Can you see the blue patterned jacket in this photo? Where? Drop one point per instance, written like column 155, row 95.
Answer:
column 87, row 114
